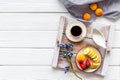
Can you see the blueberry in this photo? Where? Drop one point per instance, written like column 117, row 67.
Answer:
column 65, row 50
column 70, row 55
column 69, row 46
column 66, row 69
column 62, row 45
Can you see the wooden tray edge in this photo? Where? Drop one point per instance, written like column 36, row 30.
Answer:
column 58, row 40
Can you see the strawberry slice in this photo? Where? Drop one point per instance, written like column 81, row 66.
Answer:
column 87, row 63
column 83, row 66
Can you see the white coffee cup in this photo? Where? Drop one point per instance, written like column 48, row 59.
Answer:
column 76, row 31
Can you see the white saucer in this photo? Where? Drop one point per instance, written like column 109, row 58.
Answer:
column 74, row 38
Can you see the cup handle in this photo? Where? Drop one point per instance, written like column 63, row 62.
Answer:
column 90, row 33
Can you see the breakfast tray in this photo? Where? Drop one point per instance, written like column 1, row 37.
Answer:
column 108, row 32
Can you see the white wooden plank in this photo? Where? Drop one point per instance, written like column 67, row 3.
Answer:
column 118, row 24
column 27, row 38
column 37, row 57
column 116, row 39
column 37, row 21
column 36, row 39
column 29, row 21
column 47, row 73
column 112, row 73
column 31, row 6
column 26, row 57
column 114, row 57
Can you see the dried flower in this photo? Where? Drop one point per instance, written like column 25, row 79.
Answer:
column 66, row 51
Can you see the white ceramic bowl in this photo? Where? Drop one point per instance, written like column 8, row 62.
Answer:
column 76, row 38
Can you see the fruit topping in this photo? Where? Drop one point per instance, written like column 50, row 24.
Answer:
column 86, row 51
column 88, row 63
column 86, row 16
column 99, row 12
column 93, row 6
column 95, row 65
column 91, row 52
column 95, row 59
column 94, row 56
column 81, row 58
column 83, row 66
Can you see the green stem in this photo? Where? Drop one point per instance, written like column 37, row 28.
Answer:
column 71, row 66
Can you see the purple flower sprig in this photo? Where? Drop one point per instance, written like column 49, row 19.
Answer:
column 66, row 69
column 66, row 51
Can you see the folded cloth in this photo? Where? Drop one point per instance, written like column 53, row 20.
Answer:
column 77, row 8
column 111, row 8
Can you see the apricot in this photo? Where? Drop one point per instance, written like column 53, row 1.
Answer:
column 86, row 16
column 99, row 12
column 81, row 58
column 93, row 6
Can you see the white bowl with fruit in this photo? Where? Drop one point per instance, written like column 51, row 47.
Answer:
column 88, row 59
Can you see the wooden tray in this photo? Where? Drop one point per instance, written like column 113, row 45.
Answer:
column 60, row 63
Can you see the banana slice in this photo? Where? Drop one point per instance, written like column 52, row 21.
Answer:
column 94, row 56
column 86, row 51
column 95, row 59
column 91, row 52
column 95, row 65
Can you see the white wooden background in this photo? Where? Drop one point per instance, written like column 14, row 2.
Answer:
column 27, row 37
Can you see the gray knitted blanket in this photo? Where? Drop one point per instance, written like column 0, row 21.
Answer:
column 76, row 8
